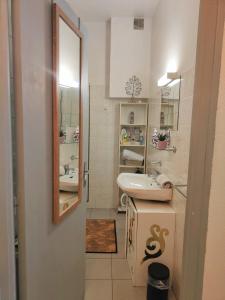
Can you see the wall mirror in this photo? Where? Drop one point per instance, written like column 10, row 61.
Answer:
column 67, row 115
column 170, row 102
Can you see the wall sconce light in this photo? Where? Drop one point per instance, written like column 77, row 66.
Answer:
column 169, row 79
column 67, row 78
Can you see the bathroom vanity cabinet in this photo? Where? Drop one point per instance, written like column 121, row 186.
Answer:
column 150, row 228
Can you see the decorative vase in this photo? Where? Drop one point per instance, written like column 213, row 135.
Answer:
column 162, row 145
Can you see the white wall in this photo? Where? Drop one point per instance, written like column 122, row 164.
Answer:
column 174, row 35
column 51, row 256
column 97, row 50
column 174, row 43
column 104, row 114
column 129, row 55
column 214, row 272
column 104, row 121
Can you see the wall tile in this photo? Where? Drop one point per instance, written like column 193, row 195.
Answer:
column 104, row 148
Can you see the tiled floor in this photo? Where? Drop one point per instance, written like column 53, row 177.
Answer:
column 107, row 275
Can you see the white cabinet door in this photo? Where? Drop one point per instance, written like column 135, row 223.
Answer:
column 131, row 236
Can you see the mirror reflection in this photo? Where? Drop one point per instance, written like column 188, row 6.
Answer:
column 66, row 119
column 69, row 108
column 69, row 146
column 170, row 101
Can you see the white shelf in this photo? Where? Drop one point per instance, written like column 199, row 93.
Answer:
column 140, row 113
column 133, row 125
column 132, row 167
column 134, row 131
column 140, row 124
column 124, row 145
column 133, row 103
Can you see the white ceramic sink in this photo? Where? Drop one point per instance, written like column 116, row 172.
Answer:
column 69, row 183
column 141, row 186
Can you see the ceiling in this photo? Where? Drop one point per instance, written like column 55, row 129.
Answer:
column 102, row 10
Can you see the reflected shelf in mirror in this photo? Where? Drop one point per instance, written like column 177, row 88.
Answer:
column 133, row 125
column 71, row 143
column 132, row 167
column 169, row 149
column 170, row 102
column 131, row 145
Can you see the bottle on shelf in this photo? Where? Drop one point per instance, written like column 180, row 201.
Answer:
column 131, row 118
column 142, row 139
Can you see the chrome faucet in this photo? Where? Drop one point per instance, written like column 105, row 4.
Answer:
column 66, row 168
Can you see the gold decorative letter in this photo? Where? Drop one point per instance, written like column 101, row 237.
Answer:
column 155, row 245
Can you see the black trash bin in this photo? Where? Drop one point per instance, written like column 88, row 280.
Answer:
column 158, row 282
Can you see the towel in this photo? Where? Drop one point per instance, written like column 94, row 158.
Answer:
column 164, row 181
column 131, row 155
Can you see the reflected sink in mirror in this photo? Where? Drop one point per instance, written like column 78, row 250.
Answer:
column 69, row 183
column 141, row 186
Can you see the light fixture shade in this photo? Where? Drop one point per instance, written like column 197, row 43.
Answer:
column 167, row 79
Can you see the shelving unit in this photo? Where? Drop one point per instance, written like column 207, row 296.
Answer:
column 134, row 131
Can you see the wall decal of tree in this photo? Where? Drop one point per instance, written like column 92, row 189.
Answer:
column 133, row 87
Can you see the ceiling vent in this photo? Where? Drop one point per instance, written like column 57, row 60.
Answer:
column 139, row 23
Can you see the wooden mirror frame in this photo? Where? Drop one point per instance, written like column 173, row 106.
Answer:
column 57, row 13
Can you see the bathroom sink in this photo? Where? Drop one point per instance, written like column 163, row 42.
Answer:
column 141, row 186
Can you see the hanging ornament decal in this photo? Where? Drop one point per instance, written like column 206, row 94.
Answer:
column 133, row 87
column 155, row 245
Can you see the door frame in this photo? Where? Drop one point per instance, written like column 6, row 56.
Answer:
column 7, row 257
column 206, row 91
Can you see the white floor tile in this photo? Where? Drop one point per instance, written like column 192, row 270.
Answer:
column 120, row 245
column 117, row 216
column 88, row 213
column 99, row 255
column 98, row 269
column 123, row 290
column 100, row 213
column 120, row 224
column 98, row 290
column 120, row 269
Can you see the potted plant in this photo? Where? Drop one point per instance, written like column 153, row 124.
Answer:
column 162, row 141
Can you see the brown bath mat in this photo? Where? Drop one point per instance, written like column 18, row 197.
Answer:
column 101, row 236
